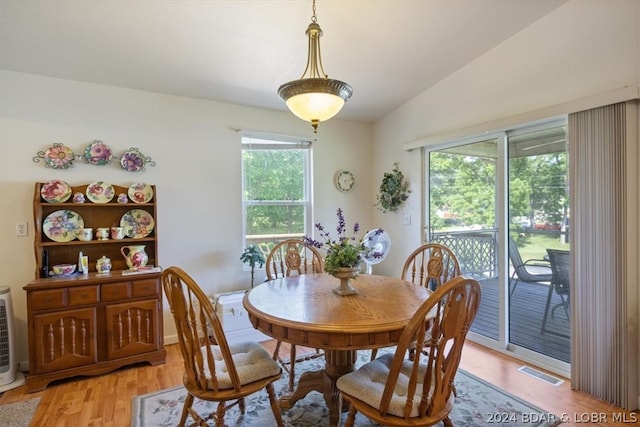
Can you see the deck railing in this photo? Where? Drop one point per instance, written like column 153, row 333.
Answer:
column 476, row 250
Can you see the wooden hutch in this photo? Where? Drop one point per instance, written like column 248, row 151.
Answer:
column 91, row 324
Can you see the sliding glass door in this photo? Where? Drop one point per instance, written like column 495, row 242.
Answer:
column 499, row 202
column 462, row 216
column 538, row 222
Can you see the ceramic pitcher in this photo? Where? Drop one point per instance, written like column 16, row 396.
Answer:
column 134, row 255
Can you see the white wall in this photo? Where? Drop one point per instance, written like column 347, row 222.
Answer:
column 198, row 171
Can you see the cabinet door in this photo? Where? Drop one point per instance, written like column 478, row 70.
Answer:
column 132, row 328
column 64, row 339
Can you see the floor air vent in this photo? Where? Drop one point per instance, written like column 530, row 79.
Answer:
column 549, row 379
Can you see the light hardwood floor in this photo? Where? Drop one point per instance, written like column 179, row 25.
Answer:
column 106, row 400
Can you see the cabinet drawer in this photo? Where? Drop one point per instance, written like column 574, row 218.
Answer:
column 83, row 295
column 114, row 291
column 144, row 288
column 51, row 298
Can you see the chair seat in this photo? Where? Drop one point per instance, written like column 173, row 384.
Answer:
column 368, row 383
column 252, row 362
column 538, row 272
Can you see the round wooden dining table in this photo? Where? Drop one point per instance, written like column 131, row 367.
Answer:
column 304, row 310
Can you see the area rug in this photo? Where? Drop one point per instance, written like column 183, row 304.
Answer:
column 477, row 404
column 18, row 414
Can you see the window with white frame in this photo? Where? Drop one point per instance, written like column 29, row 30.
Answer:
column 276, row 190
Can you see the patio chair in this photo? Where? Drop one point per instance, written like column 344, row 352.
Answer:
column 214, row 370
column 560, row 281
column 292, row 257
column 392, row 390
column 529, row 271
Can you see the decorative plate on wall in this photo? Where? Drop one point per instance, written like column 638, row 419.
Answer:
column 344, row 180
column 58, row 156
column 134, row 161
column 98, row 153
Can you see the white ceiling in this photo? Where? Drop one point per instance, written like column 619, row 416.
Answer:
column 240, row 51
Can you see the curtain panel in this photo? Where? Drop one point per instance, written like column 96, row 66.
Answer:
column 604, row 187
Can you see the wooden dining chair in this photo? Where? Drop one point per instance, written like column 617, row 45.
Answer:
column 287, row 258
column 215, row 370
column 392, row 390
column 293, row 256
column 430, row 265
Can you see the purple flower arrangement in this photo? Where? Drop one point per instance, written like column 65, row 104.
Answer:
column 343, row 251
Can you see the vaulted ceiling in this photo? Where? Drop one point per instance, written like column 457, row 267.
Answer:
column 240, row 51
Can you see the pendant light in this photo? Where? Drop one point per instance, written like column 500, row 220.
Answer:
column 315, row 97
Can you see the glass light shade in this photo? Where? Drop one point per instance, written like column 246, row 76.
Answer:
column 315, row 99
column 315, row 106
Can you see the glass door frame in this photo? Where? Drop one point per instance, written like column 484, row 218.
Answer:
column 502, row 224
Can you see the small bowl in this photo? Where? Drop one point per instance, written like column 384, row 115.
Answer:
column 64, row 269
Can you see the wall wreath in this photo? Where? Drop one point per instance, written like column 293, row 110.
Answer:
column 394, row 190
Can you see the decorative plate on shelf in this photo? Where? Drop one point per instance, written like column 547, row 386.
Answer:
column 62, row 225
column 137, row 223
column 55, row 191
column 133, row 160
column 98, row 153
column 140, row 192
column 59, row 156
column 100, row 192
column 344, row 180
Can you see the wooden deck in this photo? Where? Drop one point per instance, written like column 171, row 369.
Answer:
column 527, row 310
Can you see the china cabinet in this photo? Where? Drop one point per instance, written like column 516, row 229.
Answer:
column 93, row 323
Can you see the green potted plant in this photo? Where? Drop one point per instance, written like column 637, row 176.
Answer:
column 252, row 256
column 394, row 190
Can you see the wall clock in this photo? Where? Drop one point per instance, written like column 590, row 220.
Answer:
column 344, row 180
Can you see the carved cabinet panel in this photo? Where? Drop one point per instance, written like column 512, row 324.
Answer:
column 131, row 328
column 65, row 339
